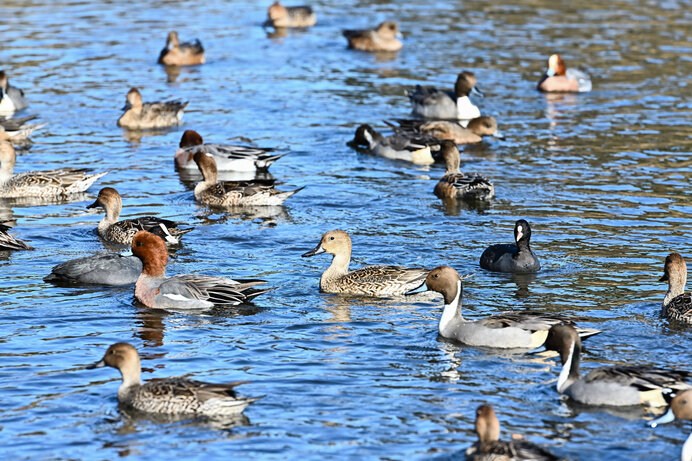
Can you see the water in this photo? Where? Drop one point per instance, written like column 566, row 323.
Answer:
column 603, row 178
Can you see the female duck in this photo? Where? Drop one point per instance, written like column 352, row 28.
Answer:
column 290, row 16
column 172, row 396
column 438, row 104
column 680, row 408
column 181, row 54
column 677, row 305
column 139, row 115
column 11, row 98
column 155, row 290
column 377, row 281
column 406, row 147
column 452, row 130
column 506, row 330
column 560, row 79
column 46, row 184
column 507, row 257
column 9, row 241
column 384, row 37
column 617, row 386
column 122, row 232
column 457, row 185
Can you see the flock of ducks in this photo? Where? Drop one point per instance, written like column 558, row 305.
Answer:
column 446, row 119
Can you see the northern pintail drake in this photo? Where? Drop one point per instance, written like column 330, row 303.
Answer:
column 409, row 148
column 385, row 37
column 11, row 98
column 439, row 104
column 290, row 16
column 122, row 232
column 489, row 447
column 377, row 281
column 10, row 242
column 46, row 184
column 457, row 185
column 506, row 330
column 452, row 130
column 228, row 157
column 559, row 79
column 509, row 257
column 181, row 54
column 211, row 192
column 617, row 386
column 140, row 115
column 680, row 408
column 677, row 305
column 172, row 396
column 155, row 290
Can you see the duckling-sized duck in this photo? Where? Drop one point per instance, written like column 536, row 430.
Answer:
column 155, row 290
column 457, row 185
column 559, row 79
column 376, row 281
column 414, row 148
column 61, row 182
column 452, row 130
column 677, row 305
column 290, row 16
column 506, row 330
column 140, row 115
column 232, row 194
column 122, row 232
column 439, row 104
column 507, row 257
column 385, row 37
column 10, row 242
column 181, row 54
column 11, row 98
column 489, row 447
column 680, row 408
column 228, row 157
column 617, row 386
column 172, row 396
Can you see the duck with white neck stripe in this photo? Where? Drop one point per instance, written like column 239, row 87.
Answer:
column 677, row 305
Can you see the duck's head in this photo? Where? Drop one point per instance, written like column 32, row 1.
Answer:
column 560, row 339
column 190, row 138
column 388, row 30
column 556, row 66
column 108, row 199
column 444, row 280
column 485, row 125
column 151, row 250
column 118, row 355
column 487, row 424
column 335, row 242
column 133, row 99
column 172, row 40
column 466, row 84
column 674, row 270
column 277, row 11
column 522, row 231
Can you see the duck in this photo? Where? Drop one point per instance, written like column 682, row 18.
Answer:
column 122, row 232
column 279, row 16
column 457, row 185
column 384, row 37
column 677, row 305
column 150, row 115
column 181, row 54
column 408, row 148
column 558, row 78
column 489, row 447
column 9, row 241
column 680, row 408
column 438, row 104
column 155, row 290
column 625, row 385
column 171, row 396
column 474, row 132
column 517, row 258
column 19, row 136
column 233, row 194
column 374, row 281
column 56, row 183
column 505, row 330
column 11, row 98
column 228, row 157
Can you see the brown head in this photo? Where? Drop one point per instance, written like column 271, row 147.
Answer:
column 556, row 66
column 207, row 166
column 335, row 242
column 466, row 82
column 560, row 339
column 133, row 98
column 172, row 40
column 682, row 405
column 484, row 125
column 3, row 80
column 487, row 424
column 674, row 270
column 124, row 358
column 8, row 156
column 450, row 155
column 446, row 281
column 108, row 199
column 388, row 30
column 191, row 138
column 277, row 11
column 151, row 250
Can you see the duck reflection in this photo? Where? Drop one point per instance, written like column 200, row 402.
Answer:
column 454, row 207
column 265, row 216
column 190, row 178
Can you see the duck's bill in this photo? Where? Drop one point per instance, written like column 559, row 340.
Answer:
column 99, row 364
column 126, row 107
column 550, row 72
column 498, row 135
column 96, row 204
column 421, row 289
column 317, row 250
column 477, row 91
column 668, row 417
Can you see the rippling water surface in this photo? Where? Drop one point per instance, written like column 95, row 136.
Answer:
column 603, row 178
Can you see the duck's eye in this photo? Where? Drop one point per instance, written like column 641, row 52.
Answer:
column 437, row 276
column 139, row 244
column 331, row 238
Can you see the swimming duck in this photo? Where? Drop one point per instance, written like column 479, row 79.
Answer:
column 181, row 396
column 508, row 257
column 677, row 305
column 290, row 16
column 489, row 447
column 47, row 184
column 11, row 98
column 181, row 54
column 377, row 281
column 112, row 269
column 231, row 194
column 618, row 386
column 680, row 408
column 16, row 123
column 19, row 136
column 384, row 37
column 452, row 130
column 506, row 330
column 438, row 104
column 560, row 79
column 228, row 157
column 10, row 242
column 155, row 290
column 457, row 185
column 122, row 232
column 148, row 115
column 409, row 148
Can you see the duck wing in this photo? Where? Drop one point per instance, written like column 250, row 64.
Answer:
column 643, row 378
column 217, row 290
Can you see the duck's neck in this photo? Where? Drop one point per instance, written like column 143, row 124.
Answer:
column 6, row 171
column 523, row 245
column 452, row 310
column 570, row 369
column 338, row 268
column 112, row 215
column 209, row 178
column 131, row 377
column 675, row 288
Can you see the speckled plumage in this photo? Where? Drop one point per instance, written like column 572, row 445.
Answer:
column 677, row 305
column 457, row 185
column 10, row 242
column 139, row 115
